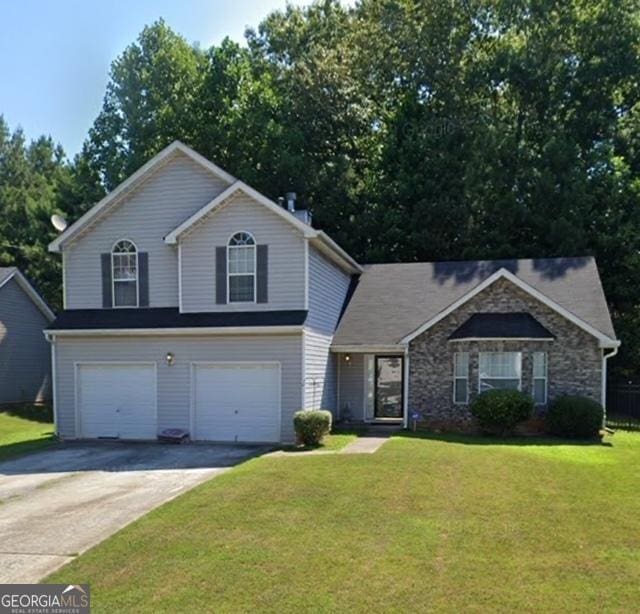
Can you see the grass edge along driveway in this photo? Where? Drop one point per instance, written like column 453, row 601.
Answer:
column 426, row 523
column 24, row 429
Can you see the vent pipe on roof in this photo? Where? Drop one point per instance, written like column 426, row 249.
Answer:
column 291, row 201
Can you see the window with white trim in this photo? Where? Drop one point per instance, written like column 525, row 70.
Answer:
column 500, row 370
column 124, row 274
column 461, row 377
column 540, row 378
column 241, row 268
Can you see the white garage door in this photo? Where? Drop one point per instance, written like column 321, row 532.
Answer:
column 117, row 400
column 237, row 402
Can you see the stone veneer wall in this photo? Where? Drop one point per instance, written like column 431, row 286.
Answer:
column 574, row 359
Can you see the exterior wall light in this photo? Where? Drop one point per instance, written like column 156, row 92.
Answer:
column 347, row 357
column 170, row 359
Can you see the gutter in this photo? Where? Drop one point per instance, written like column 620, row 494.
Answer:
column 147, row 332
column 603, row 393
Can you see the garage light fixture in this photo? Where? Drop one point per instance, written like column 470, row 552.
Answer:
column 170, row 359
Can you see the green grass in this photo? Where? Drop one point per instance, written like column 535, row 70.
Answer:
column 24, row 429
column 427, row 523
column 337, row 440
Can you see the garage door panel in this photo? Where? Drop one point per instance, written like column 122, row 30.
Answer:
column 237, row 402
column 117, row 400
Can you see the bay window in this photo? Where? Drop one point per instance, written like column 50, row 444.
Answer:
column 500, row 370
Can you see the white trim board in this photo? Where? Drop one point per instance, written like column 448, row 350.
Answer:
column 204, row 330
column 503, row 273
column 132, row 182
column 368, row 349
column 30, row 291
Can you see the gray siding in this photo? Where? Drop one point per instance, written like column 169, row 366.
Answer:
column 174, row 387
column 286, row 276
column 25, row 354
column 351, row 384
column 328, row 286
column 319, row 373
column 172, row 194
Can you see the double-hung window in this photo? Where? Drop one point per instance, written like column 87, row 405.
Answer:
column 124, row 273
column 540, row 378
column 461, row 377
column 500, row 370
column 241, row 263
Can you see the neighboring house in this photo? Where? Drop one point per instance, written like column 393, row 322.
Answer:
column 194, row 302
column 25, row 355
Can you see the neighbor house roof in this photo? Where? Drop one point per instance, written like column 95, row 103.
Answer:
column 501, row 326
column 9, row 273
column 394, row 302
column 163, row 318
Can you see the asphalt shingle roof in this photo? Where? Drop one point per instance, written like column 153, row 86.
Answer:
column 393, row 300
column 170, row 317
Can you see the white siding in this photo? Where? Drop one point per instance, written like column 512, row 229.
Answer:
column 25, row 355
column 319, row 373
column 174, row 383
column 172, row 194
column 286, row 257
column 328, row 286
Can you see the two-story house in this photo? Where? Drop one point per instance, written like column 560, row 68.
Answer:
column 192, row 301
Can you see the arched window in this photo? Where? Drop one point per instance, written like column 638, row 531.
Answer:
column 241, row 268
column 124, row 273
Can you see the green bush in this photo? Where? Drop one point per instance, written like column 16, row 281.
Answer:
column 574, row 417
column 312, row 425
column 498, row 411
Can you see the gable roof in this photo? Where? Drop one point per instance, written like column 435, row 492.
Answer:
column 9, row 273
column 321, row 240
column 131, row 183
column 394, row 303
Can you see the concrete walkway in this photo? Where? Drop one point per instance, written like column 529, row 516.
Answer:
column 368, row 442
column 57, row 503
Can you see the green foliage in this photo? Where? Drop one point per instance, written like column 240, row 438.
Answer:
column 575, row 417
column 311, row 425
column 414, row 130
column 499, row 411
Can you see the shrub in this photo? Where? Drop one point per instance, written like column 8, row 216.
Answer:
column 575, row 417
column 498, row 411
column 312, row 425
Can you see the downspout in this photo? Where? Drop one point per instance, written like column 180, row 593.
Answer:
column 603, row 395
column 405, row 392
column 52, row 341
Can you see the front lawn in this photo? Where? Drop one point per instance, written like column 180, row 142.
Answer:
column 24, row 429
column 437, row 524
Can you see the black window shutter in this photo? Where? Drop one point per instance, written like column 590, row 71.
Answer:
column 263, row 274
column 221, row 275
column 143, row 278
column 107, row 298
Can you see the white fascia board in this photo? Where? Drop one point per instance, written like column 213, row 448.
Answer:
column 203, row 330
column 131, row 182
column 369, row 349
column 330, row 248
column 36, row 299
column 216, row 203
column 501, row 339
column 503, row 273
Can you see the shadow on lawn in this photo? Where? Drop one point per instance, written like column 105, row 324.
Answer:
column 28, row 411
column 484, row 440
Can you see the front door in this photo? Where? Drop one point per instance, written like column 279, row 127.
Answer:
column 389, row 387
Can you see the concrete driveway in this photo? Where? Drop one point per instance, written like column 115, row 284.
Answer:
column 58, row 503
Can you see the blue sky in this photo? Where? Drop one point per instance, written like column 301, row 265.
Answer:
column 55, row 55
